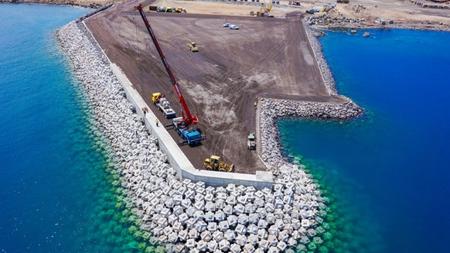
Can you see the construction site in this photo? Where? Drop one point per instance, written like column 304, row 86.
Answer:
column 218, row 61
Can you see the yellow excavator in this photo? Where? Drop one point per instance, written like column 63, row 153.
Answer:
column 264, row 11
column 214, row 162
column 155, row 97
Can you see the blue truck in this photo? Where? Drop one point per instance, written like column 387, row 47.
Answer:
column 190, row 136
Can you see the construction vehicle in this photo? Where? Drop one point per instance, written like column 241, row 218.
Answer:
column 161, row 9
column 264, row 11
column 167, row 9
column 164, row 106
column 155, row 97
column 251, row 141
column 180, row 10
column 183, row 125
column 215, row 163
column 190, row 135
column 192, row 46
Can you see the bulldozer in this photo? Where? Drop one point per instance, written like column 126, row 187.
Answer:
column 193, row 46
column 215, row 163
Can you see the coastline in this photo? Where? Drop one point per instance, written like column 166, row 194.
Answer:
column 335, row 21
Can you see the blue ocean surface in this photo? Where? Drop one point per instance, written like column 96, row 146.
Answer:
column 388, row 172
column 57, row 192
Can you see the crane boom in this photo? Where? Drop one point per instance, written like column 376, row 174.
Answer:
column 188, row 118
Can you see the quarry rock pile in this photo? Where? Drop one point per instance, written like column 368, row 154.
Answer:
column 188, row 216
column 327, row 76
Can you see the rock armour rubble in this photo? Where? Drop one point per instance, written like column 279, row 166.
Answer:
column 191, row 216
column 273, row 109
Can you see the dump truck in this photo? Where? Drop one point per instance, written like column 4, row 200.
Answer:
column 214, row 162
column 193, row 46
column 251, row 141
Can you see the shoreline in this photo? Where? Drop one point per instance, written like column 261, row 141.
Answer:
column 337, row 22
column 378, row 27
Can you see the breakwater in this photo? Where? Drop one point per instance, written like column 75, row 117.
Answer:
column 327, row 76
column 180, row 213
column 192, row 215
column 273, row 109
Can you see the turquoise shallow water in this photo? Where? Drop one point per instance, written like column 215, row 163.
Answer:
column 57, row 190
column 388, row 171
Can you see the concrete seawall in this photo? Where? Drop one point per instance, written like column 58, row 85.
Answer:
column 176, row 157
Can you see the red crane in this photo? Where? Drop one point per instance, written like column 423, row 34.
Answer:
column 188, row 118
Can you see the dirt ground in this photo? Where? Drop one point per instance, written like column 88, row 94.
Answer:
column 400, row 11
column 267, row 57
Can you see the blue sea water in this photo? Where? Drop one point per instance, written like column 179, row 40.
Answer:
column 388, row 171
column 57, row 190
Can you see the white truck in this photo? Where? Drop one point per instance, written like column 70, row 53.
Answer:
column 164, row 106
column 251, row 141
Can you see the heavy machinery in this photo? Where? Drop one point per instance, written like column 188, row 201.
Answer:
column 155, row 97
column 296, row 3
column 163, row 105
column 193, row 46
column 180, row 10
column 264, row 11
column 184, row 124
column 166, row 9
column 214, row 162
column 165, row 108
column 190, row 135
column 251, row 141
